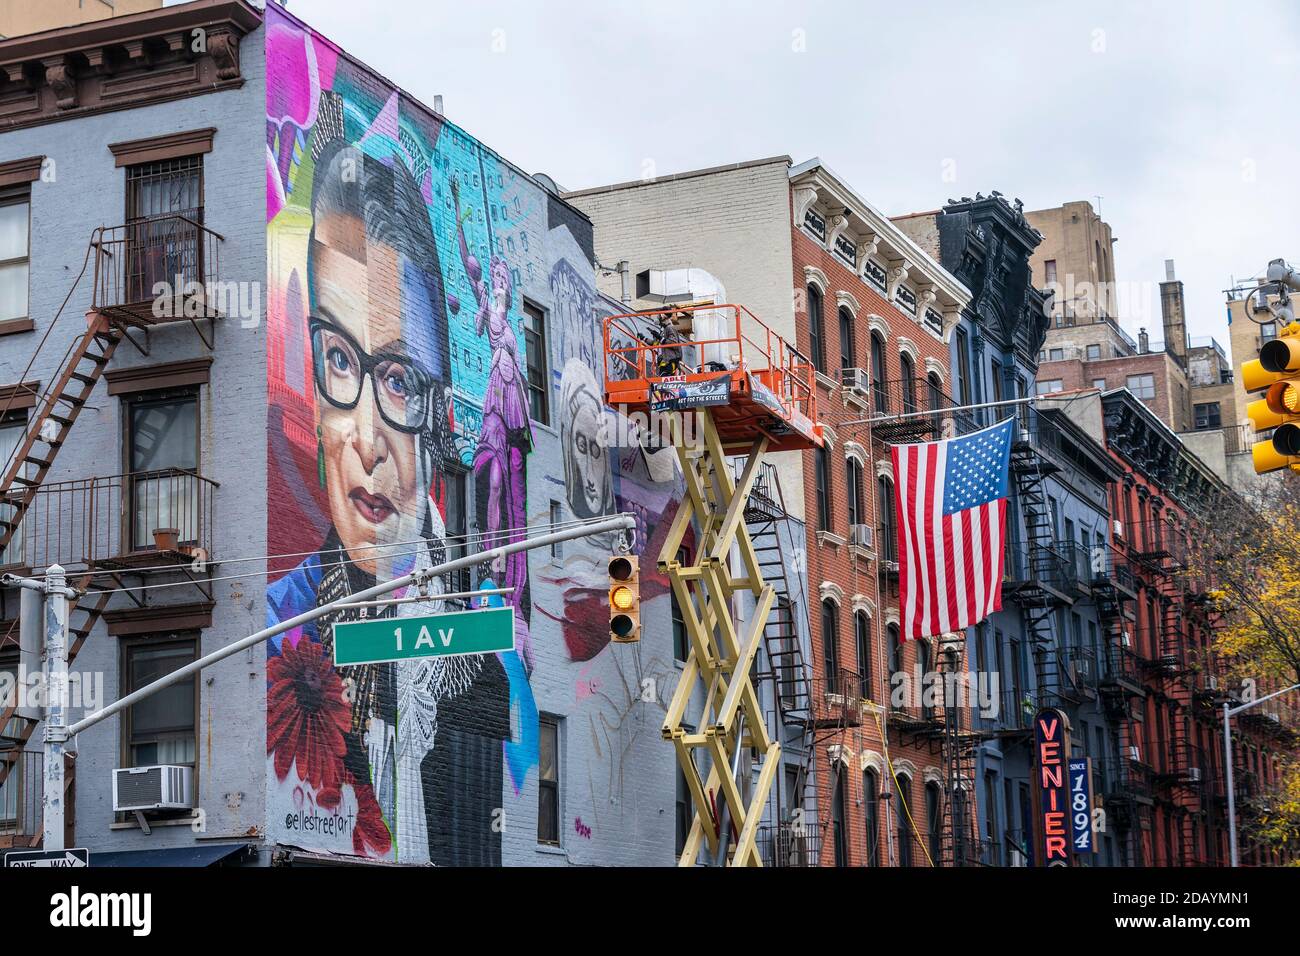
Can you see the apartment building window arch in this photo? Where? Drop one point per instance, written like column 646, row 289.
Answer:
column 895, row 639
column 903, row 821
column 862, row 638
column 838, row 801
column 822, row 480
column 907, row 379
column 871, row 812
column 888, row 520
column 848, row 349
column 879, row 392
column 853, row 490
column 923, row 665
column 816, row 328
column 934, row 820
column 830, row 642
column 934, row 387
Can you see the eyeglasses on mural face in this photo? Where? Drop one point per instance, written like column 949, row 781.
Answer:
column 403, row 390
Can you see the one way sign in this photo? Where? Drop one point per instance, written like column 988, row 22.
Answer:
column 48, row 858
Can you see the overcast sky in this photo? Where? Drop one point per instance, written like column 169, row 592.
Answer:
column 1182, row 116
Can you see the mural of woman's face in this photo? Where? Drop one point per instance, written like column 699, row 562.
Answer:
column 588, row 453
column 364, row 288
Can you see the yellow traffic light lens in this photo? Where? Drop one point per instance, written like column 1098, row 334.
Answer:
column 622, row 598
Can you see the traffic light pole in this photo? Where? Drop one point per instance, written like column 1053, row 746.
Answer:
column 58, row 594
column 1228, row 713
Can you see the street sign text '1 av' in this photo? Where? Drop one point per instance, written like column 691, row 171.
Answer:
column 384, row 639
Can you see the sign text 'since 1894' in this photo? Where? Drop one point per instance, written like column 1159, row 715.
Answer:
column 378, row 640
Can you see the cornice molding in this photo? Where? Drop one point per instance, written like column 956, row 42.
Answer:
column 169, row 146
column 16, row 172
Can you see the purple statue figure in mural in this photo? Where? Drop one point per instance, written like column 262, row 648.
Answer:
column 506, row 434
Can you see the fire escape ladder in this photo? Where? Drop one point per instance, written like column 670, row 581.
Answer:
column 960, row 845
column 1039, row 592
column 785, row 839
column 57, row 411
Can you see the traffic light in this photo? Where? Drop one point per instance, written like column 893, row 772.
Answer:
column 1277, row 373
column 624, row 599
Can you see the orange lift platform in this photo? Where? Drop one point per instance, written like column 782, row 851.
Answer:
column 753, row 381
column 749, row 393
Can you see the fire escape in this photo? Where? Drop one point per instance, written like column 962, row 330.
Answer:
column 92, row 526
column 789, row 834
column 1125, row 782
column 925, row 413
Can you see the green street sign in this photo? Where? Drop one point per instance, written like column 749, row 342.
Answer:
column 387, row 639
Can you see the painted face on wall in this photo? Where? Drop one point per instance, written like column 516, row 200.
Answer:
column 372, row 397
column 588, row 453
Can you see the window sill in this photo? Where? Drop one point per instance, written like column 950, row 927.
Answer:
column 133, row 824
column 550, row 849
column 831, row 538
column 861, row 553
column 827, row 383
column 16, row 326
column 857, row 401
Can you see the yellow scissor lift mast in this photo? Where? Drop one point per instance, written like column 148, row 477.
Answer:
column 759, row 399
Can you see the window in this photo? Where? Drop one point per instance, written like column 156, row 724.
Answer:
column 840, row 837
column 548, row 780
column 163, row 459
column 830, row 644
column 1049, row 270
column 996, row 380
column 1208, row 416
column 1050, row 386
column 15, row 238
column 904, row 824
column 871, row 810
column 1142, row 386
column 535, row 356
column 853, row 476
column 1099, row 384
column 681, row 640
column 862, row 637
column 557, row 547
column 878, row 388
column 895, row 650
column 963, row 368
column 816, row 330
column 1094, row 353
column 161, row 247
column 822, row 468
column 923, row 665
column 848, row 355
column 908, row 381
column 934, row 821
column 159, row 729
column 991, row 817
column 1056, row 355
column 888, row 543
column 934, row 386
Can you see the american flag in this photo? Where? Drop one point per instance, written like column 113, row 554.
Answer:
column 951, row 509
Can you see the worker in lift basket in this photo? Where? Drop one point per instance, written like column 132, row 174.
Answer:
column 668, row 359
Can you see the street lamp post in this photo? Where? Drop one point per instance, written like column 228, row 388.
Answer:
column 1228, row 713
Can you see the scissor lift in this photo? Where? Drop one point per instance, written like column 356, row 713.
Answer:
column 749, row 393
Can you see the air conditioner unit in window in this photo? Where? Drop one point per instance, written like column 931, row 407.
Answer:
column 862, row 536
column 856, row 380
column 1128, row 638
column 1134, row 753
column 1119, row 527
column 1194, row 774
column 163, row 787
column 1212, row 681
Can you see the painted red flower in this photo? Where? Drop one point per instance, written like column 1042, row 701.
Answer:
column 306, row 717
column 370, row 837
